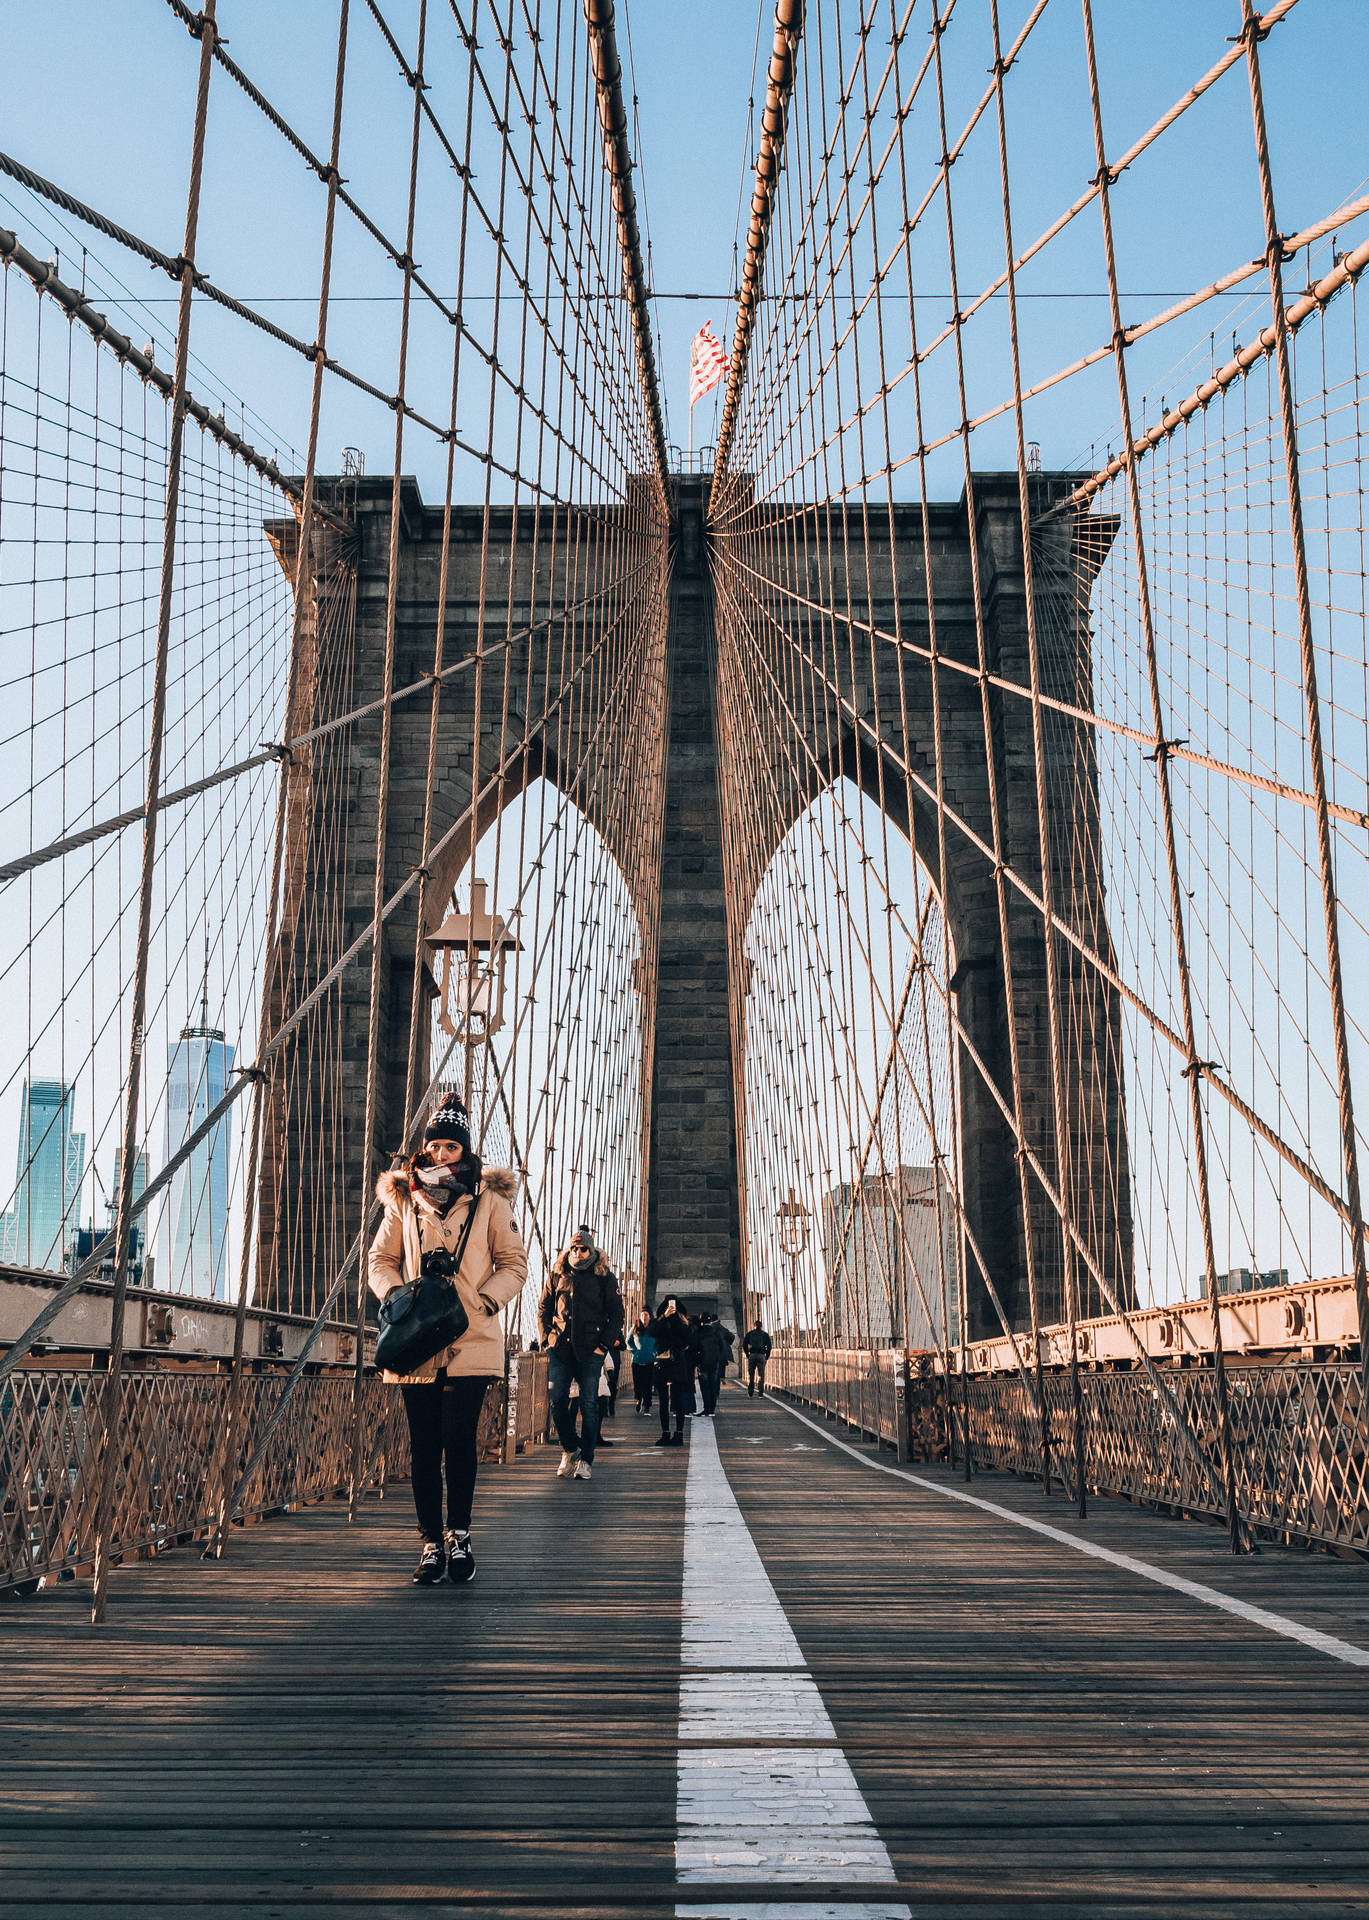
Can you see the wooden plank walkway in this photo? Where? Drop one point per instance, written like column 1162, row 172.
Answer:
column 297, row 1731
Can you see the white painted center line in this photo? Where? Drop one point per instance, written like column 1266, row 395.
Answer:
column 757, row 1812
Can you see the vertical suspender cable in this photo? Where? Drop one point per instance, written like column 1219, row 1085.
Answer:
column 378, row 945
column 306, row 583
column 1192, row 1070
column 1252, row 31
column 110, row 1453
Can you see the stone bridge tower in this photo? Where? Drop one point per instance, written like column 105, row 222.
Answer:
column 313, row 1177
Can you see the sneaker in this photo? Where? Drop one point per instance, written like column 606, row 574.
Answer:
column 582, row 1470
column 566, row 1470
column 460, row 1559
column 431, row 1566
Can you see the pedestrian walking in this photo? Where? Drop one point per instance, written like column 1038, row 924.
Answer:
column 715, row 1350
column 676, row 1357
column 448, row 1214
column 756, row 1345
column 579, row 1316
column 642, row 1348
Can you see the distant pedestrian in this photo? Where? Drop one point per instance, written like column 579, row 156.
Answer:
column 579, row 1316
column 642, row 1348
column 715, row 1350
column 677, row 1354
column 756, row 1345
column 613, row 1375
column 607, row 1375
column 428, row 1202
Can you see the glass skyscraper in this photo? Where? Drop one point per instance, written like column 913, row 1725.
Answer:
column 50, row 1168
column 193, row 1249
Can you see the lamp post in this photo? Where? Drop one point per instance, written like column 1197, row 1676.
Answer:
column 475, row 947
column 791, row 1222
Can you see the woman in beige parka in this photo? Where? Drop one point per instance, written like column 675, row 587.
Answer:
column 427, row 1202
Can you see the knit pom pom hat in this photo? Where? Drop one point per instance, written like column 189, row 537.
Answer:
column 450, row 1122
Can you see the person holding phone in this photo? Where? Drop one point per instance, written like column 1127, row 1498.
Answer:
column 676, row 1357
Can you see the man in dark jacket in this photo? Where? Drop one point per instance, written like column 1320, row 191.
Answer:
column 756, row 1346
column 715, row 1350
column 579, row 1317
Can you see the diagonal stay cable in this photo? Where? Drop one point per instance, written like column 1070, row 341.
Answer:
column 247, row 1076
column 40, row 856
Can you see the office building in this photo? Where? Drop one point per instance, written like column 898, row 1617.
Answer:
column 49, row 1169
column 193, row 1240
column 890, row 1254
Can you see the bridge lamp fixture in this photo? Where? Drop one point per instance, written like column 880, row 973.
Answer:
column 475, row 947
column 792, row 1225
column 792, row 1219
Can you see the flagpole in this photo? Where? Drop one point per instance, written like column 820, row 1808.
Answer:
column 691, row 436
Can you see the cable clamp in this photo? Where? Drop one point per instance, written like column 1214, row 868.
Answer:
column 422, row 873
column 1198, row 1067
column 1106, row 176
column 1165, row 747
column 278, row 750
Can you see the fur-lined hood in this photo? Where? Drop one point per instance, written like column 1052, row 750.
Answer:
column 500, row 1181
column 562, row 1271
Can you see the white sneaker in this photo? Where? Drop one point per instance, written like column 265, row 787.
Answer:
column 566, row 1470
column 582, row 1470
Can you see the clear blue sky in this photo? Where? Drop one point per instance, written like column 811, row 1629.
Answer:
column 100, row 98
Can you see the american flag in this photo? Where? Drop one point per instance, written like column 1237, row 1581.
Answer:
column 707, row 363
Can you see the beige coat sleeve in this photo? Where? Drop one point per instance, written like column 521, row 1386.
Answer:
column 508, row 1255
column 385, row 1263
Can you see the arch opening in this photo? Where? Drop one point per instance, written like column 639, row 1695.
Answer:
column 853, row 1222
column 557, row 1088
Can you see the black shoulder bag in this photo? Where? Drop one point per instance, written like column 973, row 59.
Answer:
column 419, row 1320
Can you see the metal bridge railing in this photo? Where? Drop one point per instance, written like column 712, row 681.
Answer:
column 1302, row 1460
column 52, row 1431
column 171, row 1427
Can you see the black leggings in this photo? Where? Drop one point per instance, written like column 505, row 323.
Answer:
column 444, row 1418
column 642, row 1378
column 671, row 1393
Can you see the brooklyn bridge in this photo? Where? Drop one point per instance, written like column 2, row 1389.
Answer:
column 872, row 844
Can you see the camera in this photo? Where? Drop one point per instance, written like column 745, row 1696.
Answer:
column 438, row 1264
